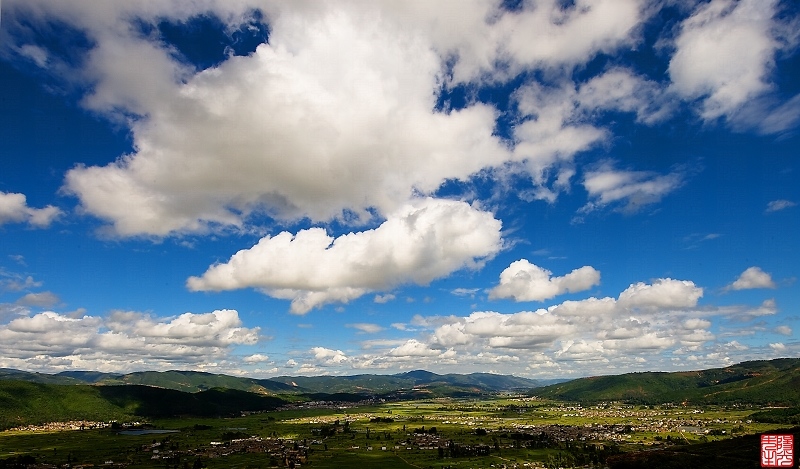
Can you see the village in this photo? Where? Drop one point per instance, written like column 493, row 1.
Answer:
column 435, row 429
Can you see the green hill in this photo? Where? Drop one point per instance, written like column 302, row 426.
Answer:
column 188, row 381
column 755, row 382
column 8, row 373
column 195, row 381
column 23, row 403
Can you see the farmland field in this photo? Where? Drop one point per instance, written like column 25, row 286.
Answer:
column 435, row 433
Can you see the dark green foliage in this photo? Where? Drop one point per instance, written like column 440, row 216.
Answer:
column 742, row 452
column 23, row 403
column 756, row 382
column 156, row 402
column 195, row 381
column 339, row 397
column 790, row 415
column 89, row 376
column 17, row 375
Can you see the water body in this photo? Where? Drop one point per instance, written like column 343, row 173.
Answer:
column 147, row 432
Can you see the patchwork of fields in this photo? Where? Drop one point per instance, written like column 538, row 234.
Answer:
column 508, row 431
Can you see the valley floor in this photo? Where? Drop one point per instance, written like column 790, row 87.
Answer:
column 511, row 432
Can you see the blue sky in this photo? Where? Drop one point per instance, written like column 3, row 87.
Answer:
column 542, row 188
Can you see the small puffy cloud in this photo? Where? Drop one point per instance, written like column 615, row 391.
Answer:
column 14, row 209
column 778, row 205
column 328, row 357
column 417, row 244
column 621, row 90
column 43, row 300
column 783, row 330
column 663, row 294
column 524, row 281
column 383, row 299
column 724, row 53
column 752, row 277
column 414, row 348
column 255, row 358
column 15, row 283
column 745, row 313
column 366, row 327
column 630, row 190
column 778, row 346
column 470, row 292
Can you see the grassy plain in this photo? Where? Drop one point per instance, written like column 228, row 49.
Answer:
column 435, row 433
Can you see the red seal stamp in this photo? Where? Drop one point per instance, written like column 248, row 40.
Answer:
column 777, row 450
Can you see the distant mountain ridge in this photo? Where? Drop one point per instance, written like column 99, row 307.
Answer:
column 757, row 382
column 761, row 382
column 476, row 382
column 197, row 381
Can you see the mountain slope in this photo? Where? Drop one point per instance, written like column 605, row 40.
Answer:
column 756, row 382
column 8, row 373
column 195, row 381
column 188, row 381
column 23, row 403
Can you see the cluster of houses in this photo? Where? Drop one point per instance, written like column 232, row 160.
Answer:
column 62, row 426
column 283, row 452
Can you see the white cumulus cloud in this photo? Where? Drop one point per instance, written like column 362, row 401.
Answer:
column 123, row 341
column 752, row 277
column 663, row 293
column 14, row 209
column 335, row 114
column 328, row 357
column 417, row 244
column 724, row 53
column 524, row 281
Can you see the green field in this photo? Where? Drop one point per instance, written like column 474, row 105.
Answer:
column 434, row 433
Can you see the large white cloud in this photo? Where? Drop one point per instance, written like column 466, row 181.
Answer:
column 524, row 281
column 417, row 244
column 336, row 114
